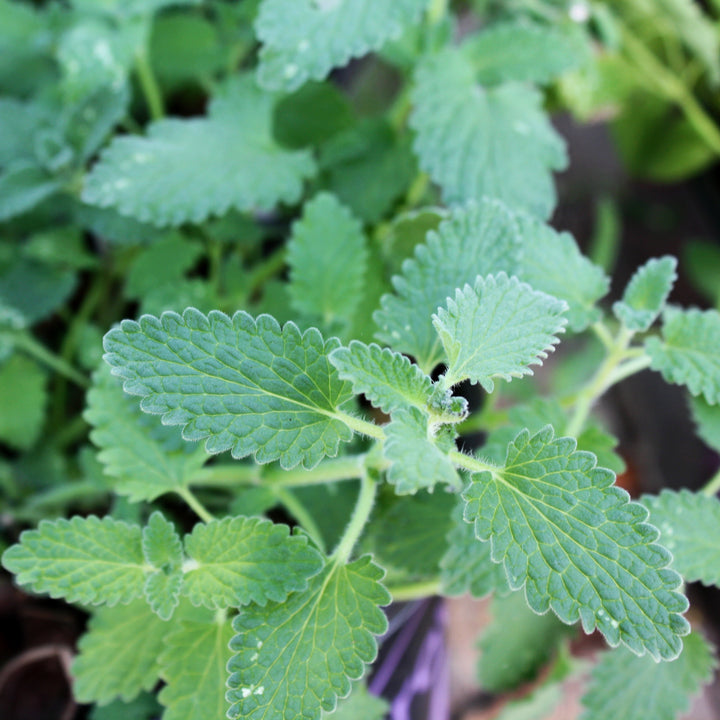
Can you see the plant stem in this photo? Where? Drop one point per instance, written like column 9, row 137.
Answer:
column 470, row 463
column 437, row 11
column 32, row 347
column 227, row 475
column 149, row 85
column 289, row 500
column 360, row 516
column 333, row 470
column 713, row 485
column 415, row 591
column 361, row 426
column 200, row 510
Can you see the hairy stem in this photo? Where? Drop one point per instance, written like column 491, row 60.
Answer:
column 360, row 516
column 361, row 426
column 32, row 347
column 713, row 485
column 291, row 503
column 415, row 591
column 198, row 508
column 149, row 84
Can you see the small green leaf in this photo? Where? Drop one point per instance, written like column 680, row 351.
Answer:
column 296, row 658
column 388, row 379
column 518, row 642
column 418, row 459
column 187, row 170
column 245, row 384
column 636, row 688
column 193, row 667
column 235, row 561
column 578, row 545
column 305, row 39
column 497, row 328
column 328, row 259
column 118, row 655
column 646, row 293
column 23, row 394
column 707, row 421
column 85, row 560
column 145, row 457
column 359, row 705
column 689, row 352
column 689, row 525
column 476, row 142
column 163, row 550
column 478, row 239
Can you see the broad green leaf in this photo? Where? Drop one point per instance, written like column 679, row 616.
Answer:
column 525, row 52
column 689, row 351
column 467, row 567
column 388, row 379
column 418, row 459
column 296, row 658
column 85, row 560
column 552, row 262
column 23, row 185
column 476, row 240
column 497, row 328
column 193, row 667
column 305, row 39
column 162, row 550
column 689, row 525
column 235, row 561
column 20, row 121
column 646, row 293
column 142, row 707
column 118, row 655
column 476, row 141
column 186, row 170
column 707, row 421
column 518, row 642
column 636, row 688
column 124, row 9
column 245, row 384
column 578, row 545
column 328, row 259
column 359, row 705
column 145, row 457
column 23, row 396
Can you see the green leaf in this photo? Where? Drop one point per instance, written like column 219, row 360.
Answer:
column 186, row 170
column 305, row 39
column 297, row 658
column 476, row 142
column 646, row 293
column 142, row 707
column 163, row 550
column 552, row 262
column 418, row 459
column 476, row 240
column 328, row 259
column 20, row 121
column 635, row 688
column 235, row 561
column 85, row 560
column 23, row 394
column 388, row 379
column 244, row 384
column 124, row 9
column 193, row 667
column 689, row 525
column 689, row 352
column 118, row 655
column 524, row 52
column 146, row 458
column 359, row 705
column 518, row 642
column 578, row 545
column 23, row 185
column 707, row 421
column 498, row 328
column 467, row 566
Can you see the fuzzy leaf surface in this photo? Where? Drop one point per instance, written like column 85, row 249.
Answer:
column 85, row 560
column 689, row 352
column 305, row 39
column 327, row 258
column 235, row 561
column 295, row 659
column 478, row 239
column 145, row 457
column 498, row 327
column 661, row 691
column 192, row 665
column 244, row 384
column 388, row 379
column 163, row 550
column 418, row 461
column 187, row 170
column 578, row 545
column 689, row 525
column 476, row 141
column 118, row 655
column 646, row 293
